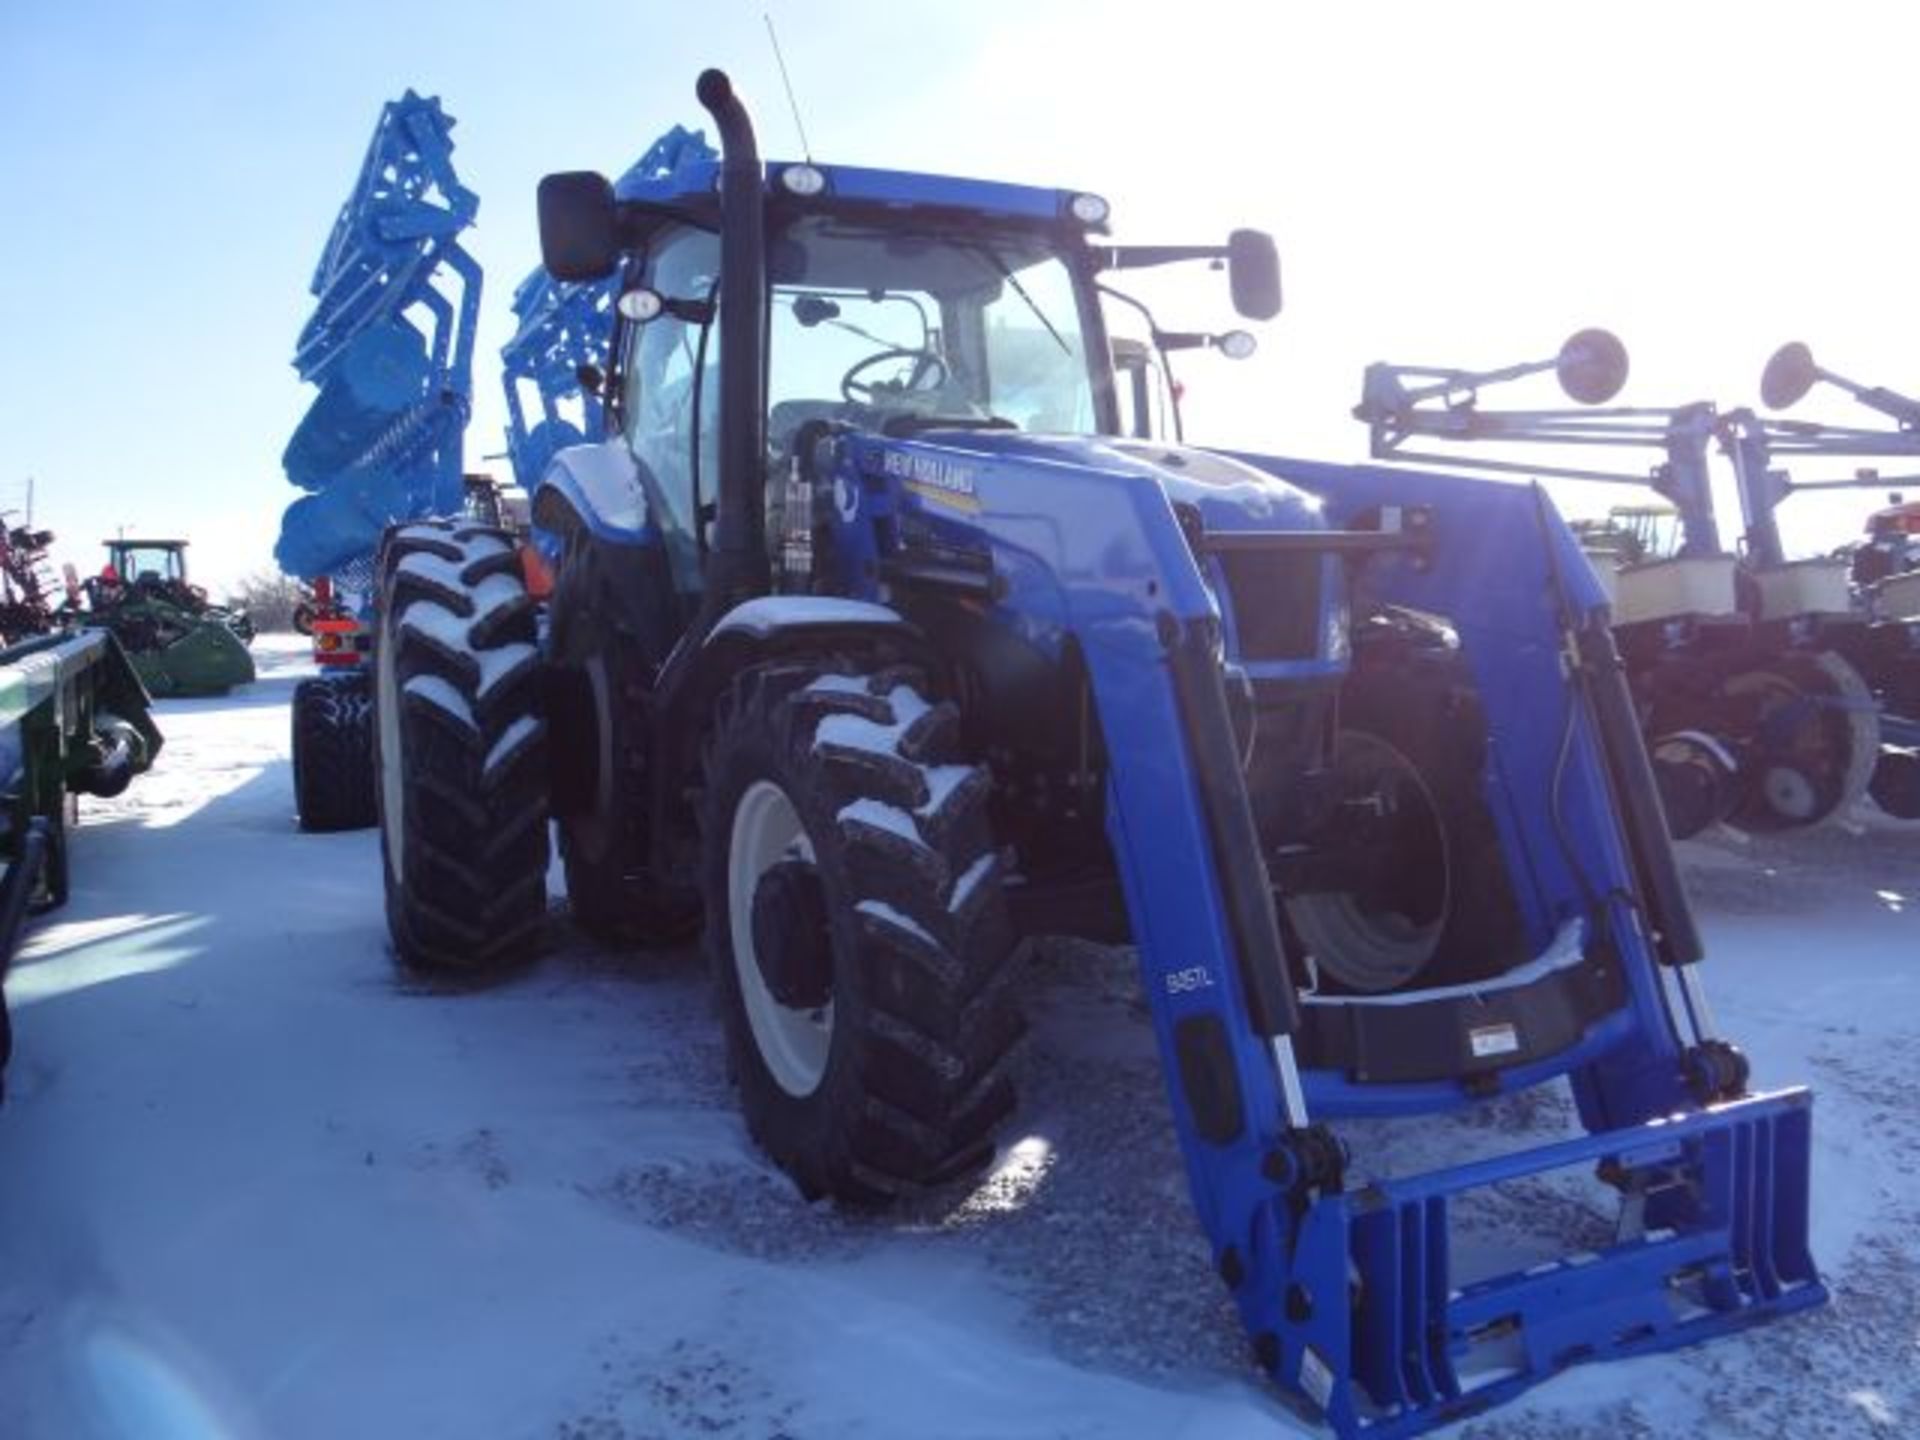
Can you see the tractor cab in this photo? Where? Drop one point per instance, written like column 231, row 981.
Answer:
column 898, row 304
column 155, row 568
column 1632, row 535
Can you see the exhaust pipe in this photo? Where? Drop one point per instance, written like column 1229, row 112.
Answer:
column 738, row 567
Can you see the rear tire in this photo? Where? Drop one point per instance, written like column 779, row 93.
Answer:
column 857, row 931
column 333, row 783
column 460, row 749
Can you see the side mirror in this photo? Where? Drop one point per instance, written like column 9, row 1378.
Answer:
column 1592, row 366
column 1253, row 274
column 1789, row 375
column 579, row 226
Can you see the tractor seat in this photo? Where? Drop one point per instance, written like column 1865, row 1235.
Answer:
column 785, row 419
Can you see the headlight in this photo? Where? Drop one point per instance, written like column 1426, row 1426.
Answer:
column 1089, row 209
column 641, row 305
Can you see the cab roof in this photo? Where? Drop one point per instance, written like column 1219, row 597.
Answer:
column 694, row 184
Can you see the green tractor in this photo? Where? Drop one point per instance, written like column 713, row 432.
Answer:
column 179, row 642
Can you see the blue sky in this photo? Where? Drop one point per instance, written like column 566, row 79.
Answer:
column 1460, row 183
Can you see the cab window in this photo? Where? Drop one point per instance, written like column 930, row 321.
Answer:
column 670, row 363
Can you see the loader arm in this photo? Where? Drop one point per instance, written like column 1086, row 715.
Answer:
column 1093, row 556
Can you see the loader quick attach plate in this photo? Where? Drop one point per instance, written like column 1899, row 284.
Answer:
column 1380, row 1333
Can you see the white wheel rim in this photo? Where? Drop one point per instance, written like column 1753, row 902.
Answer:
column 793, row 1044
column 393, row 789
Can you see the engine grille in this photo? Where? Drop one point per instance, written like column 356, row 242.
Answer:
column 1275, row 597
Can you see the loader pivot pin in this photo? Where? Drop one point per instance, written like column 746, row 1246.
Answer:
column 1309, row 1159
column 1717, row 1070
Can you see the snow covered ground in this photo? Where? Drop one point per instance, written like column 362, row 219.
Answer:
column 255, row 1183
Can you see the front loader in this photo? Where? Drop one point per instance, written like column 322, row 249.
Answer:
column 875, row 647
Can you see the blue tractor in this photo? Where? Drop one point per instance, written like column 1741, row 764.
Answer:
column 875, row 647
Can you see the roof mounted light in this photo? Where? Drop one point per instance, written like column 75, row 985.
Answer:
column 802, row 180
column 1236, row 344
column 1089, row 209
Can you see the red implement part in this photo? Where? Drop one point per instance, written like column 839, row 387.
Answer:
column 340, row 643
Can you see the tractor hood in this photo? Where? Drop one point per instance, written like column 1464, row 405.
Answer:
column 1226, row 494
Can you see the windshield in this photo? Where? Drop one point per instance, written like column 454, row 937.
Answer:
column 982, row 327
column 147, row 562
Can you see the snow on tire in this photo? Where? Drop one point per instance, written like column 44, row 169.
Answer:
column 460, row 748
column 856, row 930
column 333, row 752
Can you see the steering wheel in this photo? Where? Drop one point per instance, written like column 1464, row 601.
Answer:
column 925, row 363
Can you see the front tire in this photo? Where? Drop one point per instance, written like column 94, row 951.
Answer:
column 856, row 930
column 333, row 780
column 1436, row 906
column 460, row 749
column 599, row 690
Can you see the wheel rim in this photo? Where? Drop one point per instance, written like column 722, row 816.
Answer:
column 1380, row 941
column 1821, row 761
column 393, row 788
column 793, row 1044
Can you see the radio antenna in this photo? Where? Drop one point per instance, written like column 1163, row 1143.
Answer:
column 806, row 150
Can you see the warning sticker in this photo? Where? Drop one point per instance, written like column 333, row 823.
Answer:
column 1485, row 1040
column 1316, row 1377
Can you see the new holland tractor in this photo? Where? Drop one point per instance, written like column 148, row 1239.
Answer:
column 1742, row 669
column 874, row 648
